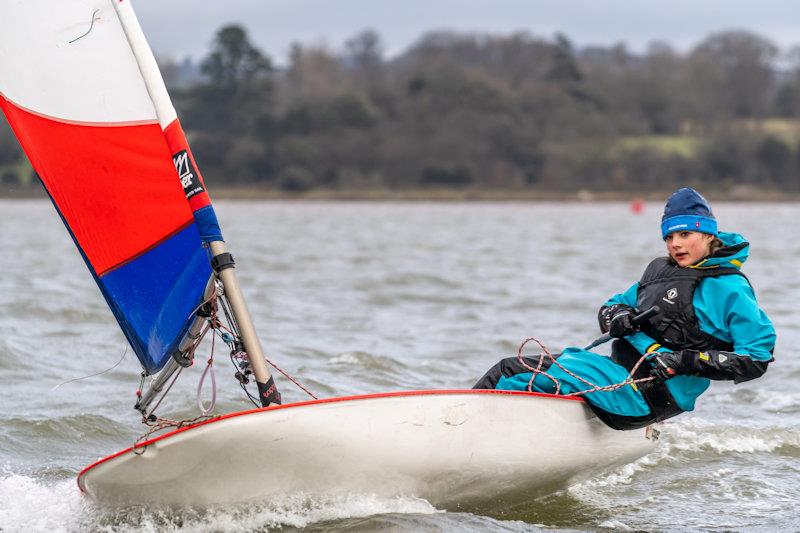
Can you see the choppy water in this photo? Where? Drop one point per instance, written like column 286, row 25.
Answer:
column 360, row 297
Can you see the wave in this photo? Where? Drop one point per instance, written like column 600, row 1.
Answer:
column 623, row 475
column 9, row 355
column 366, row 361
column 696, row 438
column 696, row 435
column 76, row 426
column 413, row 280
column 48, row 442
column 28, row 504
column 397, row 297
column 768, row 400
column 615, row 524
column 365, row 372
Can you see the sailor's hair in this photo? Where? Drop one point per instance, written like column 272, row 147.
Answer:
column 716, row 245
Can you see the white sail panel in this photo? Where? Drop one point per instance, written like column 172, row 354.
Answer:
column 94, row 79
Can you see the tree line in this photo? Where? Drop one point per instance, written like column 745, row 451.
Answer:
column 492, row 111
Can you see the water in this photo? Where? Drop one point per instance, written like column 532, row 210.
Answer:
column 370, row 297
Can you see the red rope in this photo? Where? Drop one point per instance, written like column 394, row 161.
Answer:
column 290, row 378
column 592, row 387
column 217, row 324
column 538, row 370
column 243, row 355
column 158, row 424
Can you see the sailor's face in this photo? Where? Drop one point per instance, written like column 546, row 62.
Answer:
column 688, row 247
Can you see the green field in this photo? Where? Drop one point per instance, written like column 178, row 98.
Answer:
column 683, row 145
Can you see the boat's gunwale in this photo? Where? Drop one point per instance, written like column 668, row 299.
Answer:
column 320, row 401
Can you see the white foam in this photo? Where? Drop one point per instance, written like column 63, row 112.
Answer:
column 28, row 504
column 347, row 358
column 616, row 524
column 694, row 434
column 299, row 511
column 623, row 475
column 777, row 402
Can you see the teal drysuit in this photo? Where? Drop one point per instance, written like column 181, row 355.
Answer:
column 725, row 307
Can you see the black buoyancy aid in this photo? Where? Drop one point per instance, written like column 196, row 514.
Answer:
column 671, row 288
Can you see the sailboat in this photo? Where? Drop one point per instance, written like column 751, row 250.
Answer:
column 82, row 92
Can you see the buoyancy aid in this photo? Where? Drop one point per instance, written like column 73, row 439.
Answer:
column 672, row 288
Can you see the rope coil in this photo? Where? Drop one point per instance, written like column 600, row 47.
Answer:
column 209, row 370
column 157, row 424
column 554, row 361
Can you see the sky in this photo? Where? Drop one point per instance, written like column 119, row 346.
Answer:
column 180, row 28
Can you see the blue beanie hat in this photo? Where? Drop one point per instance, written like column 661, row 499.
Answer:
column 687, row 210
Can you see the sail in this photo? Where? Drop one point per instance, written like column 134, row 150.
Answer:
column 82, row 93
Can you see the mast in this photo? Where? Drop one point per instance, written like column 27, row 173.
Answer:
column 223, row 264
column 222, row 261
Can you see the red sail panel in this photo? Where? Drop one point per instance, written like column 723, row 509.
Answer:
column 115, row 186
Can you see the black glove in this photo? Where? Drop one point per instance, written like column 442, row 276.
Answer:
column 616, row 320
column 712, row 364
column 670, row 364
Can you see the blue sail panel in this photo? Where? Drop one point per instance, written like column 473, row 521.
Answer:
column 154, row 295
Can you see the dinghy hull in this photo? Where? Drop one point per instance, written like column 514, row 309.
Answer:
column 449, row 447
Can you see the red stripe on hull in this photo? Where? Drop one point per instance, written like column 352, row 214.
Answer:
column 115, row 186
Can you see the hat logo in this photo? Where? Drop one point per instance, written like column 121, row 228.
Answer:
column 697, row 224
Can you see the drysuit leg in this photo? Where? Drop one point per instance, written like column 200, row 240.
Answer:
column 510, row 366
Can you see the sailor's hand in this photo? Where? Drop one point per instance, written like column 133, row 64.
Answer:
column 667, row 365
column 616, row 320
column 620, row 321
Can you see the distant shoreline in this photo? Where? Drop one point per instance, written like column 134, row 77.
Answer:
column 741, row 194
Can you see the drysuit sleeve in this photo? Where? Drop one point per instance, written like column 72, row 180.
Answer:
column 726, row 307
column 625, row 298
column 711, row 364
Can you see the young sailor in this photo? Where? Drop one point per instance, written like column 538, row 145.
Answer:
column 709, row 326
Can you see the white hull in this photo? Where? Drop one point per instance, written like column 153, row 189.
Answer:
column 449, row 447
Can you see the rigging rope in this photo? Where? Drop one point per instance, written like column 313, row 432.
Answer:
column 229, row 333
column 290, row 378
column 233, row 330
column 164, row 394
column 109, row 369
column 209, row 370
column 157, row 424
column 554, row 361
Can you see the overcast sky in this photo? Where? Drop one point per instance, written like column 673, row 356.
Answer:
column 179, row 28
